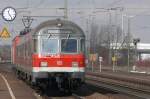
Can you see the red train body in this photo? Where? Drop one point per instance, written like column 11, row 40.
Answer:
column 53, row 50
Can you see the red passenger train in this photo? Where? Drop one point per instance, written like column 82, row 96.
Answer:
column 52, row 52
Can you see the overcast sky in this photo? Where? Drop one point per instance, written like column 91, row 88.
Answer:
column 80, row 11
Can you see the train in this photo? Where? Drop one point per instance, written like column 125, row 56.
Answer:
column 52, row 52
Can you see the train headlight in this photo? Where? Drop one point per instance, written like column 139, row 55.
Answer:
column 44, row 64
column 74, row 64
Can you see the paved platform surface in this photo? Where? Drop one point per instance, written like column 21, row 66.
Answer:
column 4, row 93
column 11, row 87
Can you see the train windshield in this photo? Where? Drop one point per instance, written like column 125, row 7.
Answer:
column 69, row 45
column 50, row 46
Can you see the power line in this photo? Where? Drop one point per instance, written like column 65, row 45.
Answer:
column 114, row 3
column 40, row 3
column 138, row 8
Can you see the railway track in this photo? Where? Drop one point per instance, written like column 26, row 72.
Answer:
column 139, row 88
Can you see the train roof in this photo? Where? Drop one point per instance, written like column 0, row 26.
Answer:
column 59, row 24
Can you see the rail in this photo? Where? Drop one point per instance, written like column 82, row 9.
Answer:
column 136, row 87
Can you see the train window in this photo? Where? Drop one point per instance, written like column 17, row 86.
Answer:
column 82, row 47
column 50, row 46
column 35, row 44
column 26, row 49
column 29, row 49
column 69, row 45
column 17, row 51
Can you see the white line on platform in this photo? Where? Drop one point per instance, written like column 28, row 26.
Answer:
column 9, row 88
column 37, row 96
column 78, row 97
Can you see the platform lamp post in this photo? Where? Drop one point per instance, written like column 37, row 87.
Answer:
column 135, row 41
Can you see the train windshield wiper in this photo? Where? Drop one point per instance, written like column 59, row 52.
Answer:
column 49, row 35
column 66, row 41
column 68, row 37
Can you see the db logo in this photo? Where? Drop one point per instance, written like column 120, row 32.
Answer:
column 59, row 62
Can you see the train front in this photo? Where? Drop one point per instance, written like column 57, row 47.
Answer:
column 59, row 53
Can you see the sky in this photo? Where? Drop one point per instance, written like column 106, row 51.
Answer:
column 81, row 12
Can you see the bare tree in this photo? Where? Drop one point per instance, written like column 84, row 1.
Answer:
column 93, row 38
column 108, row 36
